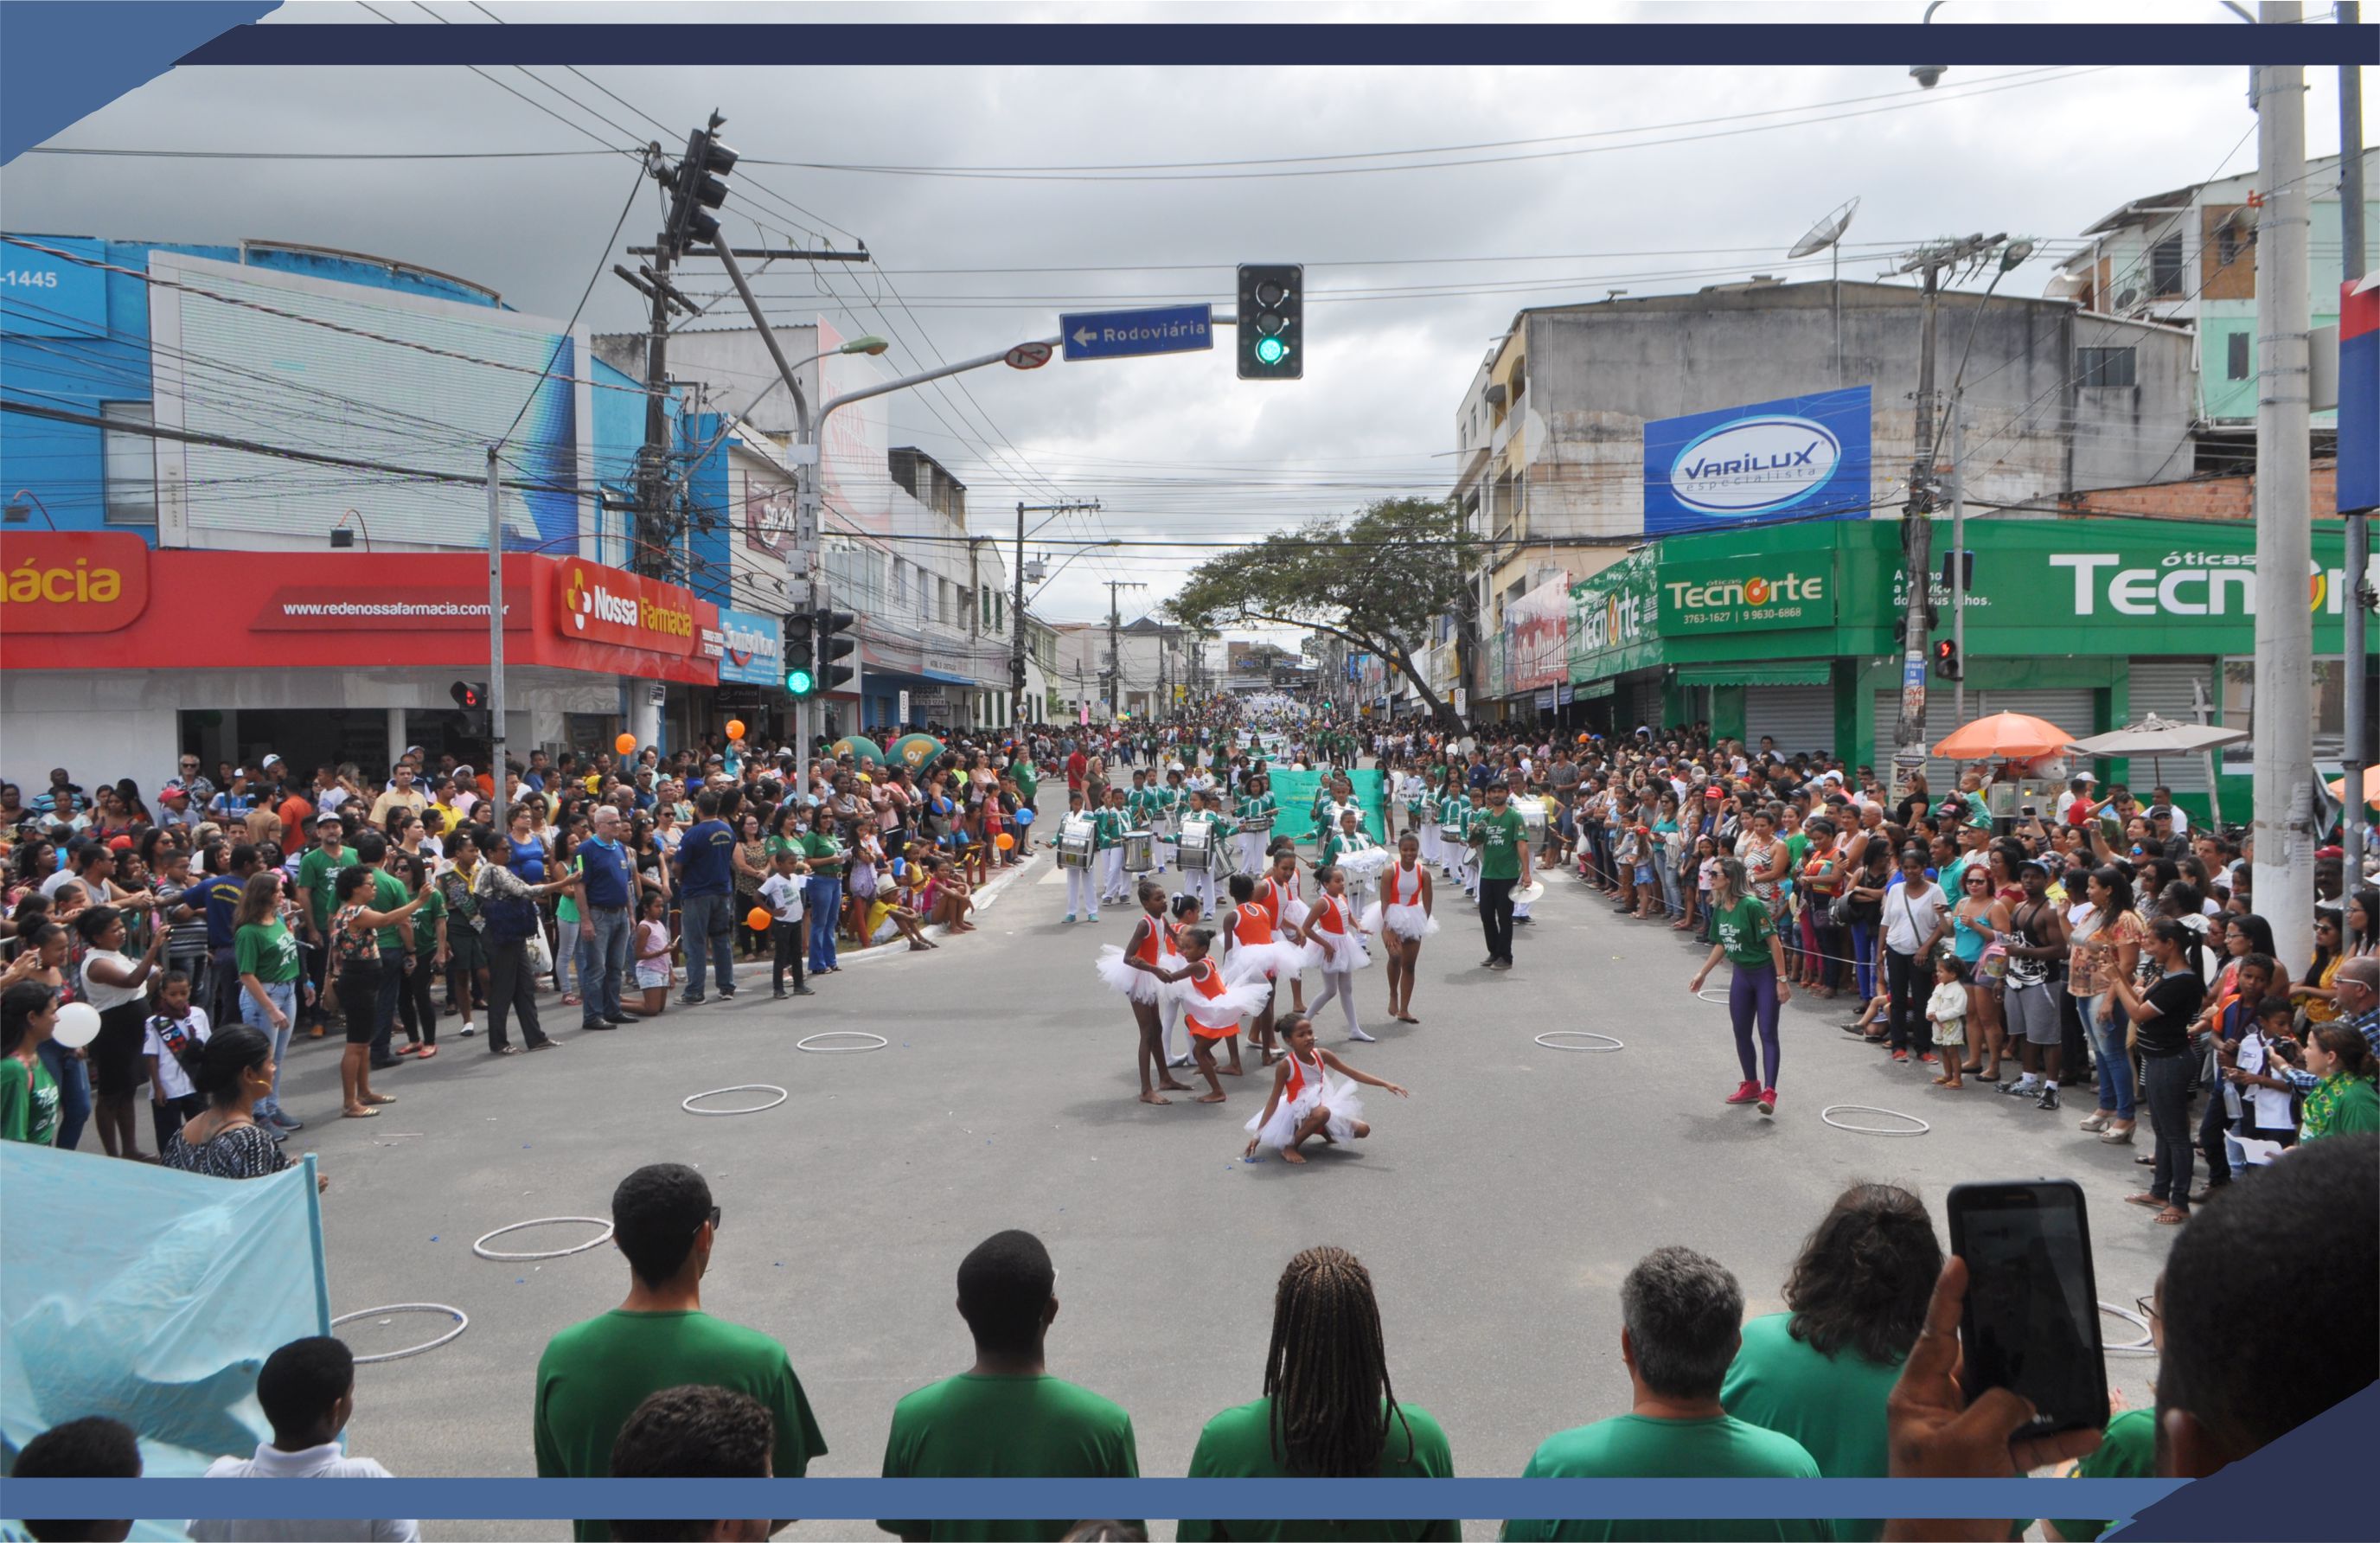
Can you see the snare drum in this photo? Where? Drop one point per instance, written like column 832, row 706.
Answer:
column 1533, row 814
column 1139, row 851
column 1196, row 842
column 1075, row 844
column 1256, row 824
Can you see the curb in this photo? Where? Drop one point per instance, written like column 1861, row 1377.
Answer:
column 985, row 898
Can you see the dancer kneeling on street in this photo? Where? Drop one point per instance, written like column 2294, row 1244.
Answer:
column 1748, row 941
column 1305, row 1102
column 1212, row 1006
column 1137, row 970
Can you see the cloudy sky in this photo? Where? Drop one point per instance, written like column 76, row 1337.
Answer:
column 1644, row 179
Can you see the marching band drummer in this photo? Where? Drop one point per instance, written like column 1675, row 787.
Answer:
column 1256, row 806
column 1200, row 882
column 1076, row 840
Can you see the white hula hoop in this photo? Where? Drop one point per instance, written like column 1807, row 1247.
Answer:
column 688, row 1104
column 462, row 1322
column 1610, row 1044
column 598, row 1241
column 881, row 1042
column 2144, row 1345
column 1706, row 993
column 1828, row 1113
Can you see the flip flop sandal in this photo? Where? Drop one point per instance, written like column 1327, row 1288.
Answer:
column 2144, row 1198
column 359, row 1113
column 377, row 1098
column 428, row 1051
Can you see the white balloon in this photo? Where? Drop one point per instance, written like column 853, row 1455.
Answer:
column 77, row 1024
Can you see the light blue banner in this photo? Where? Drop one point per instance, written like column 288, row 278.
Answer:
column 756, row 647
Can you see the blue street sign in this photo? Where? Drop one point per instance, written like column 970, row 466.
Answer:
column 1114, row 335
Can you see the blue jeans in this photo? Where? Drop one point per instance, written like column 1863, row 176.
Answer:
column 708, row 929
column 602, row 961
column 2107, row 1053
column 72, row 1074
column 822, row 898
column 1864, row 955
column 285, row 996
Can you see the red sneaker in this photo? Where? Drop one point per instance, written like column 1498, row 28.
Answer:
column 1745, row 1094
column 1768, row 1100
column 1901, row 1055
column 1930, row 1059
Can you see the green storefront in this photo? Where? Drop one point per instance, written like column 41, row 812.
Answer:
column 1792, row 632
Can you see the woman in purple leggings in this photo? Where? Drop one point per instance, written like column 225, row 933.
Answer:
column 1747, row 940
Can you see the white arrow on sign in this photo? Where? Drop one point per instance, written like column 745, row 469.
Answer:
column 1084, row 338
column 1028, row 356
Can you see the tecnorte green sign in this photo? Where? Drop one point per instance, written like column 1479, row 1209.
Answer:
column 1794, row 589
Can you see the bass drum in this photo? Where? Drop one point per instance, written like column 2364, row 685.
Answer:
column 1139, row 851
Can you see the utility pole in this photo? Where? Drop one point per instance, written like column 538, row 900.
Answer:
column 1916, row 522
column 1959, row 557
column 495, row 638
column 1115, row 655
column 1016, row 642
column 2357, row 663
column 2284, row 688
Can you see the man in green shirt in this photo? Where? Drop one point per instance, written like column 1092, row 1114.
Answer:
column 594, row 1375
column 1502, row 838
column 1006, row 1417
column 318, row 869
column 1683, row 1316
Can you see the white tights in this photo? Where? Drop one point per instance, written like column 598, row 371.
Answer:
column 1341, row 984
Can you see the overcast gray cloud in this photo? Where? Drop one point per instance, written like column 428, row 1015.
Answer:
column 1175, row 448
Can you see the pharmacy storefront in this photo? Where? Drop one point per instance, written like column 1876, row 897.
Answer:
column 1791, row 632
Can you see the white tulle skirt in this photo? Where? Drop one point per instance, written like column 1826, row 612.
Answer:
column 1236, row 1002
column 1363, row 867
column 1137, row 984
column 1248, row 961
column 1334, row 952
column 1339, row 1098
column 1294, row 910
column 1404, row 921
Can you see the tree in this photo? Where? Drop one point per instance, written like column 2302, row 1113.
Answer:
column 1377, row 581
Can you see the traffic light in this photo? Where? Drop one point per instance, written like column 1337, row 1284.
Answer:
column 827, row 623
column 1272, row 321
column 1945, row 659
column 472, row 699
column 801, row 657
column 698, row 187
column 1959, row 571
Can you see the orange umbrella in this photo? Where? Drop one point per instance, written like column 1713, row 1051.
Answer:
column 2371, row 785
column 2004, row 736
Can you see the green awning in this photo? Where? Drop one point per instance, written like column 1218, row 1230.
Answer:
column 1588, row 690
column 1791, row 671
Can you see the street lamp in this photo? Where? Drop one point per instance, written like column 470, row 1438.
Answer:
column 17, row 512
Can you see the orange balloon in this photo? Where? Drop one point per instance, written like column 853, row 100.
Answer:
column 757, row 919
column 1003, row 841
column 625, row 744
column 735, row 728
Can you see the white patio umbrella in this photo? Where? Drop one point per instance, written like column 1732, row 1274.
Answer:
column 2155, row 738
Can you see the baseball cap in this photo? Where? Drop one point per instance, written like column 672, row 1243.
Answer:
column 119, row 844
column 172, row 790
column 270, row 760
column 329, row 817
column 2082, row 777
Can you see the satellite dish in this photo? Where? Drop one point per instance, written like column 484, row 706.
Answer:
column 1826, row 233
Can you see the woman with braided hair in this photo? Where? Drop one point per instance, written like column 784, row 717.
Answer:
column 1327, row 1410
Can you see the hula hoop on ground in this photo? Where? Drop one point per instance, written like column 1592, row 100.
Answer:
column 1828, row 1113
column 1713, row 993
column 2144, row 1345
column 1606, row 1049
column 462, row 1322
column 842, row 1049
column 598, row 1241
column 687, row 1103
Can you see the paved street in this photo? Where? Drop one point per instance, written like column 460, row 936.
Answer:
column 1497, row 1210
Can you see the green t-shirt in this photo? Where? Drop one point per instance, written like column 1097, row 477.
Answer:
column 1795, row 845
column 1237, row 1443
column 2127, row 1451
column 971, row 1427
column 1631, row 1446
column 1499, row 855
column 1832, row 1404
column 825, row 854
column 425, row 923
column 316, row 873
column 388, row 894
column 594, row 1374
column 1029, row 786
column 1744, row 930
column 28, row 1102
column 266, row 951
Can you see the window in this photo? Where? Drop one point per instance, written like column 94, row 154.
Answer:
column 2165, row 266
column 131, row 460
column 2105, row 367
column 2234, row 357
column 2227, row 244
column 900, row 581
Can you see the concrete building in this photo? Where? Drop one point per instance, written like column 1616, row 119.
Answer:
column 2187, row 257
column 1551, row 429
column 1142, row 669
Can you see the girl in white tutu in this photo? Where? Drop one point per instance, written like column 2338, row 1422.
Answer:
column 1212, row 1006
column 1402, row 919
column 1278, row 890
column 1137, row 970
column 1306, row 1102
column 1183, row 913
column 1334, row 944
column 1256, row 954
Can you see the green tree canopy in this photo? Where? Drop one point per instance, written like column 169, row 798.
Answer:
column 1376, row 579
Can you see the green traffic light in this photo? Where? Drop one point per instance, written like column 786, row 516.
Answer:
column 1271, row 350
column 799, row 682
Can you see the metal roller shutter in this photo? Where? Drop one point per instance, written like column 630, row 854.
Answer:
column 2164, row 686
column 2072, row 708
column 1940, row 776
column 1799, row 718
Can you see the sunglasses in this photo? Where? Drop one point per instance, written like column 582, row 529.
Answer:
column 713, row 1219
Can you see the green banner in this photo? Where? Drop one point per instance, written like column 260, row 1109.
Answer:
column 1792, row 589
column 1295, row 791
column 1612, row 619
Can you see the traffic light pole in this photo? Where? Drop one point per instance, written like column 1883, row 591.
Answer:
column 496, row 770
